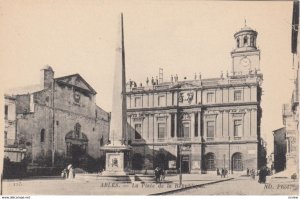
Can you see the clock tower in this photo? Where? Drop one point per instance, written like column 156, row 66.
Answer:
column 245, row 56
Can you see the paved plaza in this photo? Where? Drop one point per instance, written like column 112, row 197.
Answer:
column 211, row 185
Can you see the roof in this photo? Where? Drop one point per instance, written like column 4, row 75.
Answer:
column 24, row 90
column 69, row 79
column 279, row 130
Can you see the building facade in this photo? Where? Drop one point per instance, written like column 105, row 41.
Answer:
column 279, row 149
column 200, row 125
column 56, row 122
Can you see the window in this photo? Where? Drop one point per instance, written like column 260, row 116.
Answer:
column 5, row 137
column 137, row 102
column 210, row 162
column 252, row 41
column 43, row 135
column 245, row 40
column 196, row 125
column 172, row 125
column 210, row 129
column 238, row 42
column 237, row 162
column 237, row 128
column 186, row 130
column 6, row 111
column 237, row 95
column 137, row 131
column 161, row 100
column 161, row 130
column 210, row 97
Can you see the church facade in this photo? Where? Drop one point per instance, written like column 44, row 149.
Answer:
column 55, row 123
column 200, row 125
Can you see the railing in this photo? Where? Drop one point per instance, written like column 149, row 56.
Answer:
column 210, row 139
column 237, row 138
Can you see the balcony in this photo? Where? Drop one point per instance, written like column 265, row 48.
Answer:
column 210, row 139
column 237, row 138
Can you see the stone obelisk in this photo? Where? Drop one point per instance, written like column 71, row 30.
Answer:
column 116, row 148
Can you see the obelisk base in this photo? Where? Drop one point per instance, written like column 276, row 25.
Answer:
column 114, row 164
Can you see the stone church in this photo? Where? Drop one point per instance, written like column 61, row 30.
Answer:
column 200, row 125
column 55, row 123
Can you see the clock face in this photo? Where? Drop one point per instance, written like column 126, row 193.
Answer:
column 245, row 62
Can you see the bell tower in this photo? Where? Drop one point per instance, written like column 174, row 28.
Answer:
column 245, row 56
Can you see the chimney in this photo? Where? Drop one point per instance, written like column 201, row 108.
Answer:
column 47, row 76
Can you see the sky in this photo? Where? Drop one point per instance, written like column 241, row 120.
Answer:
column 182, row 37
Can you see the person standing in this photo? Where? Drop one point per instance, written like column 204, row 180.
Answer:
column 71, row 172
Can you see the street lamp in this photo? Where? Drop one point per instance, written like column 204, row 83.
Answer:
column 180, row 163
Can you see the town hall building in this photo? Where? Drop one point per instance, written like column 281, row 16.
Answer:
column 201, row 124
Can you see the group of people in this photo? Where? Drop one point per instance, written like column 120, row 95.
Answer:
column 68, row 172
column 160, row 174
column 262, row 174
column 223, row 173
column 252, row 173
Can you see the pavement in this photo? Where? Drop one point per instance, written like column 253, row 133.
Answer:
column 54, row 186
column 193, row 184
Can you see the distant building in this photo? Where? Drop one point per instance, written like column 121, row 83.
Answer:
column 54, row 123
column 279, row 149
column 201, row 124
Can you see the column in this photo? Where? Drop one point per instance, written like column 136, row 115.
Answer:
column 169, row 118
column 193, row 125
column 175, row 125
column 199, row 124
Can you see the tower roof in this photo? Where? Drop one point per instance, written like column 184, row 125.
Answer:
column 245, row 29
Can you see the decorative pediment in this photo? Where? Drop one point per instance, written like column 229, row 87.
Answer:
column 77, row 81
column 186, row 96
column 185, row 116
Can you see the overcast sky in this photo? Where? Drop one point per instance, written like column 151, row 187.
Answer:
column 182, row 37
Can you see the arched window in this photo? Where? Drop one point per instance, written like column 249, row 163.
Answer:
column 42, row 135
column 245, row 40
column 238, row 42
column 251, row 41
column 210, row 161
column 237, row 162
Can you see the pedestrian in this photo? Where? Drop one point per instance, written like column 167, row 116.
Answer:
column 225, row 173
column 247, row 172
column 162, row 177
column 64, row 173
column 222, row 173
column 252, row 172
column 157, row 174
column 218, row 172
column 71, row 172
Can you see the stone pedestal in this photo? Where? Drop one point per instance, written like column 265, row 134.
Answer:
column 114, row 164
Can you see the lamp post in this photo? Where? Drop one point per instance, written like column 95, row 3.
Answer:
column 224, row 161
column 180, row 163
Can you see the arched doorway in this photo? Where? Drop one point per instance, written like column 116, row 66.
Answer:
column 237, row 162
column 76, row 143
column 161, row 161
column 210, row 162
column 137, row 161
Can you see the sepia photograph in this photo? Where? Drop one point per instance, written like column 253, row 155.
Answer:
column 162, row 97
